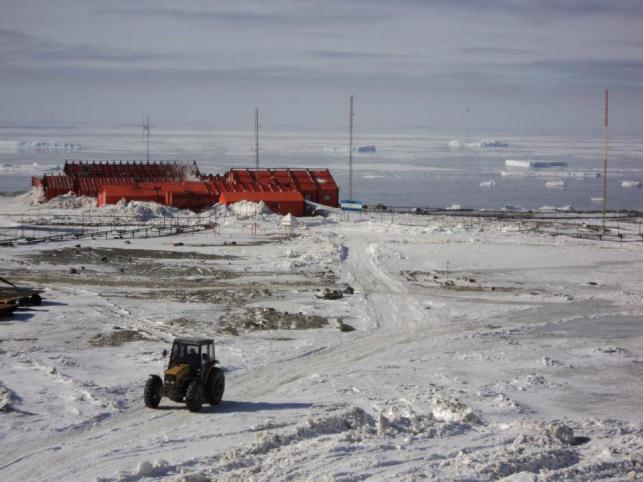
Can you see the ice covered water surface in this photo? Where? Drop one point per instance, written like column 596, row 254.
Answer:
column 416, row 169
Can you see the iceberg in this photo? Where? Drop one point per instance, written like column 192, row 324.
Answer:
column 456, row 145
column 361, row 149
column 523, row 164
column 367, row 149
column 555, row 184
column 47, row 146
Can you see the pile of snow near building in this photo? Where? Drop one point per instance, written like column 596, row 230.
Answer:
column 283, row 190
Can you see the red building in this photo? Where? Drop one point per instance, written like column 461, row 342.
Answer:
column 284, row 190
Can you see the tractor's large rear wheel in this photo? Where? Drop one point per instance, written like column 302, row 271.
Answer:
column 153, row 391
column 194, row 396
column 215, row 386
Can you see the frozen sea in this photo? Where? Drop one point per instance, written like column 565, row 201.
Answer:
column 415, row 169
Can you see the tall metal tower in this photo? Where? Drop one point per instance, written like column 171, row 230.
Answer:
column 146, row 136
column 350, row 150
column 257, row 138
column 605, row 132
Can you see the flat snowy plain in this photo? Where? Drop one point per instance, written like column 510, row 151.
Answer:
column 480, row 352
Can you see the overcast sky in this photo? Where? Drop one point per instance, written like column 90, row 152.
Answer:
column 515, row 65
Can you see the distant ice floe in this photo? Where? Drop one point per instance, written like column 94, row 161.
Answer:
column 370, row 149
column 365, row 149
column 509, row 207
column 550, row 173
column 525, row 164
column 32, row 167
column 628, row 184
column 489, row 184
column 555, row 184
column 556, row 208
column 456, row 145
column 39, row 146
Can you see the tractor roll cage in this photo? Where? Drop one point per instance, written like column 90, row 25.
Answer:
column 191, row 351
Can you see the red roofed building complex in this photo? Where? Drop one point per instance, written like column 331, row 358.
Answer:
column 283, row 190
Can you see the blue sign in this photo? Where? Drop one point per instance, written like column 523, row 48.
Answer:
column 351, row 205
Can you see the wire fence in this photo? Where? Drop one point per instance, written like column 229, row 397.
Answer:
column 620, row 227
column 38, row 228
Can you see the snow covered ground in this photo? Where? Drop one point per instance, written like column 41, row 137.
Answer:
column 479, row 351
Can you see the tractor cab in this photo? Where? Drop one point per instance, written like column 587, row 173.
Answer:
column 195, row 352
column 190, row 375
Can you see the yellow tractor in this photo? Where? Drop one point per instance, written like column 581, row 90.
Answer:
column 191, row 376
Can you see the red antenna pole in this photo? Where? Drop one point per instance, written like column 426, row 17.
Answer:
column 605, row 126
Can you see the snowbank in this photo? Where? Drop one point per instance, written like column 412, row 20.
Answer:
column 71, row 201
column 6, row 398
column 248, row 209
column 34, row 197
column 141, row 210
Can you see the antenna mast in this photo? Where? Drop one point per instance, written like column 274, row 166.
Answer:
column 257, row 138
column 146, row 135
column 605, row 131
column 350, row 150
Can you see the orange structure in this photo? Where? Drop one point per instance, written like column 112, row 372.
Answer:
column 113, row 194
column 279, row 202
column 315, row 185
column 284, row 190
column 134, row 169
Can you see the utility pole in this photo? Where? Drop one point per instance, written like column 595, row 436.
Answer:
column 605, row 124
column 146, row 135
column 350, row 150
column 257, row 138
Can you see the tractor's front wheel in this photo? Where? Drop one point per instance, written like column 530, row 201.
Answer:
column 216, row 386
column 194, row 396
column 153, row 391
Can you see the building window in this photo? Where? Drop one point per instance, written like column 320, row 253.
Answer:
column 326, row 197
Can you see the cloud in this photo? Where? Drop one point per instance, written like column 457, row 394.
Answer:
column 356, row 55
column 292, row 16
column 495, row 51
column 19, row 47
column 595, row 71
column 540, row 8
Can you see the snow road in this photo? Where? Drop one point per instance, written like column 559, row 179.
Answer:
column 478, row 371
